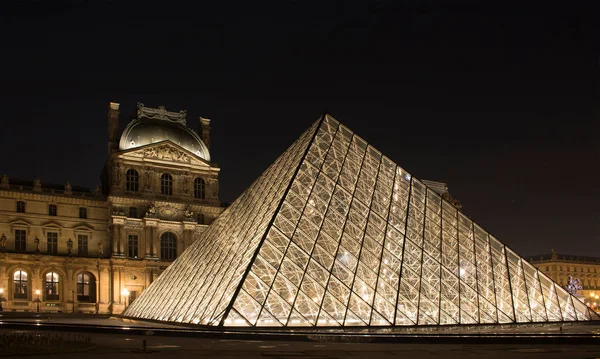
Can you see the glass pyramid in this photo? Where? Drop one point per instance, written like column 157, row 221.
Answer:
column 336, row 234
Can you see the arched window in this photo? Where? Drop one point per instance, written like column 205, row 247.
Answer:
column 86, row 288
column 51, row 286
column 199, row 188
column 166, row 184
column 168, row 246
column 132, row 180
column 20, row 283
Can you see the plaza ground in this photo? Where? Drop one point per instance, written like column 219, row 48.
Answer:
column 117, row 337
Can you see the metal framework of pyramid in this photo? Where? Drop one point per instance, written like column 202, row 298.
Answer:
column 336, row 234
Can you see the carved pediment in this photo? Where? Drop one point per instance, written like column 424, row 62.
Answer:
column 83, row 227
column 166, row 151
column 20, row 222
column 51, row 224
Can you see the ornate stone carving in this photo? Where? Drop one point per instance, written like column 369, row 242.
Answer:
column 97, row 191
column 188, row 214
column 2, row 242
column 4, row 183
column 68, row 189
column 36, row 240
column 69, row 246
column 161, row 113
column 166, row 152
column 167, row 211
column 117, row 175
column 100, row 249
column 185, row 183
column 213, row 187
column 148, row 174
column 151, row 210
column 37, row 185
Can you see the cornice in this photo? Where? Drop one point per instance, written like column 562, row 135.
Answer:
column 49, row 197
column 118, row 200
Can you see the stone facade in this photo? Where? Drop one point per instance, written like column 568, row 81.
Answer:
column 84, row 250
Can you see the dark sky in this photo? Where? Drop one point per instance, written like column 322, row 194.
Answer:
column 500, row 102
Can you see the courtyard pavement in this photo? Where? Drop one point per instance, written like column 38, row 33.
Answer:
column 117, row 337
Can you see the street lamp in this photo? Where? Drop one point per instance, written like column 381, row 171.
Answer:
column 1, row 298
column 37, row 292
column 125, row 293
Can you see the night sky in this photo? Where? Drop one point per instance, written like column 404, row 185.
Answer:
column 500, row 102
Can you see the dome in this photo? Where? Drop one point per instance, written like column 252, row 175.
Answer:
column 143, row 131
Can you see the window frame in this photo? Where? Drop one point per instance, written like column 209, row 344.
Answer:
column 20, row 240
column 52, row 246
column 133, row 212
column 83, row 213
column 20, row 207
column 83, row 245
column 168, row 246
column 199, row 188
column 132, row 180
column 52, row 210
column 23, row 285
column 52, row 291
column 133, row 246
column 81, row 285
column 166, row 184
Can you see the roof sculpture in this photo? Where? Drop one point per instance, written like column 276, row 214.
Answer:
column 154, row 125
column 334, row 233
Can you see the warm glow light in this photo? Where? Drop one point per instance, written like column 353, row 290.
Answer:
column 37, row 291
column 329, row 200
column 1, row 290
column 125, row 292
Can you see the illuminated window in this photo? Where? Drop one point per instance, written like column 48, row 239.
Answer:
column 86, row 288
column 51, row 285
column 199, row 188
column 132, row 180
column 52, row 239
column 132, row 246
column 20, row 285
column 52, row 210
column 82, row 244
column 168, row 246
column 166, row 184
column 20, row 240
column 20, row 206
column 83, row 212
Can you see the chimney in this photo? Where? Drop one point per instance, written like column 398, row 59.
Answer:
column 204, row 131
column 113, row 127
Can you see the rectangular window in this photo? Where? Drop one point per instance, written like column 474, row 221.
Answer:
column 20, row 240
column 20, row 206
column 132, row 212
column 52, row 238
column 82, row 244
column 132, row 246
column 52, row 210
column 200, row 218
column 83, row 212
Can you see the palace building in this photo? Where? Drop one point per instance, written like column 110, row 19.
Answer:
column 585, row 269
column 70, row 249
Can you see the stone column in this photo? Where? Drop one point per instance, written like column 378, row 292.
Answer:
column 117, row 232
column 155, row 243
column 188, row 233
column 150, row 234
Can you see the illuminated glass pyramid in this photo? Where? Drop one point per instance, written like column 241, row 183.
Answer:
column 336, row 234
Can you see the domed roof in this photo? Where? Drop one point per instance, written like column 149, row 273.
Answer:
column 157, row 125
